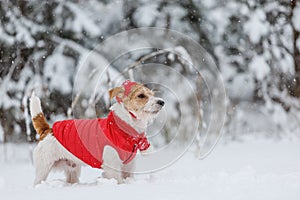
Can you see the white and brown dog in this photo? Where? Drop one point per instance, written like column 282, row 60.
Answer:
column 110, row 143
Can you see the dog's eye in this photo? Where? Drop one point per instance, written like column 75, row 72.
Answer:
column 141, row 96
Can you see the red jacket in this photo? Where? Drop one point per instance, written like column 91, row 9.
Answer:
column 86, row 138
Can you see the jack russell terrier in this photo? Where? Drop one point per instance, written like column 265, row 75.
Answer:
column 110, row 143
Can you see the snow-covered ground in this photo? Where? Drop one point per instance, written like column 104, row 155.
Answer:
column 253, row 169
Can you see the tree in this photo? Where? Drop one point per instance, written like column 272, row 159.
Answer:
column 255, row 44
column 293, row 19
column 41, row 44
column 259, row 57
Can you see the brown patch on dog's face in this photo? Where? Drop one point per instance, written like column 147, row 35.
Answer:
column 116, row 92
column 137, row 98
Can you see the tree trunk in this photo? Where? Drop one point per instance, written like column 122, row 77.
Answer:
column 296, row 52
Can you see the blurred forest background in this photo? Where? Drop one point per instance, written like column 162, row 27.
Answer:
column 255, row 43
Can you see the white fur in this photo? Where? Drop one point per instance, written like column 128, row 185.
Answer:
column 139, row 125
column 152, row 106
column 35, row 105
column 50, row 154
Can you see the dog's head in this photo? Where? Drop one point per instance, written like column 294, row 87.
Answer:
column 137, row 99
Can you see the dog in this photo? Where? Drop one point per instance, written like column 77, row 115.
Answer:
column 110, row 143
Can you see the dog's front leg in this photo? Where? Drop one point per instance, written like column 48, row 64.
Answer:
column 112, row 164
column 127, row 170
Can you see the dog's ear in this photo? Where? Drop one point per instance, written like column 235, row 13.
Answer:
column 116, row 92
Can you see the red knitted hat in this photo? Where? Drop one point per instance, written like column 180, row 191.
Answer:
column 127, row 86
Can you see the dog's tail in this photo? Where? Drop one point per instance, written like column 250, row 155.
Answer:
column 38, row 119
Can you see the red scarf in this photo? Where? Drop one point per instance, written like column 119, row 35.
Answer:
column 86, row 138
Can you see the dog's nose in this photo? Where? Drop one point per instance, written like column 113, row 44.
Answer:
column 160, row 102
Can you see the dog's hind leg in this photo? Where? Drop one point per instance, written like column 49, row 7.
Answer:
column 72, row 173
column 42, row 170
column 43, row 159
column 41, row 175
